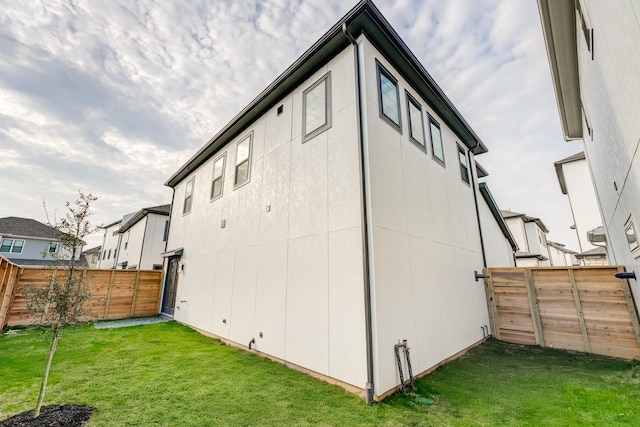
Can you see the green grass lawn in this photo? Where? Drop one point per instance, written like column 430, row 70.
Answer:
column 165, row 374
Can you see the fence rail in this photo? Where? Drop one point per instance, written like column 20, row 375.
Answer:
column 115, row 294
column 574, row 308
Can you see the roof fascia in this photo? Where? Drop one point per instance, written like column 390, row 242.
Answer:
column 558, row 18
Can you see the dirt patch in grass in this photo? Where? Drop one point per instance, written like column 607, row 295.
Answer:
column 52, row 416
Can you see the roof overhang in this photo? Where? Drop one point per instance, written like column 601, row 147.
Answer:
column 558, row 19
column 560, row 172
column 495, row 211
column 366, row 19
column 174, row 252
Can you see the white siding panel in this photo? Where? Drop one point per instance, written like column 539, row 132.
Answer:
column 307, row 331
column 274, row 224
column 222, row 293
column 243, row 299
column 278, row 127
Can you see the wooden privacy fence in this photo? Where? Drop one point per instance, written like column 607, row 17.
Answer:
column 573, row 308
column 115, row 294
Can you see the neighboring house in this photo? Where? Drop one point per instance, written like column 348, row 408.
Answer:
column 336, row 215
column 26, row 241
column 504, row 245
column 595, row 256
column 137, row 240
column 593, row 53
column 575, row 181
column 560, row 255
column 92, row 256
column 530, row 233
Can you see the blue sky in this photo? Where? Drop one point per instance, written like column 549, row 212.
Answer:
column 112, row 97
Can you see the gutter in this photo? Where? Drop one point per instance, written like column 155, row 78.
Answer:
column 369, row 388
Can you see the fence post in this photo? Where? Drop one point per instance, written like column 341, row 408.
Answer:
column 533, row 307
column 8, row 295
column 106, row 305
column 576, row 299
column 631, row 305
column 491, row 304
column 135, row 294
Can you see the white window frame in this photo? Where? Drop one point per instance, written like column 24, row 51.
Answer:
column 222, row 157
column 630, row 225
column 464, row 166
column 12, row 245
column 237, row 184
column 188, row 197
column 381, row 71
column 412, row 101
column 55, row 247
column 310, row 133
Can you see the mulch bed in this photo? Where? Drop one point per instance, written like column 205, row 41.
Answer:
column 52, row 416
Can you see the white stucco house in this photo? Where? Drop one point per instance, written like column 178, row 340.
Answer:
column 575, row 181
column 136, row 241
column 26, row 241
column 530, row 234
column 336, row 215
column 594, row 58
column 560, row 255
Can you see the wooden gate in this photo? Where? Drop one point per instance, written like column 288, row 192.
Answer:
column 573, row 308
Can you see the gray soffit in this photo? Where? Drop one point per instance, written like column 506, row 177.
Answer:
column 495, row 211
column 558, row 19
column 560, row 172
column 363, row 18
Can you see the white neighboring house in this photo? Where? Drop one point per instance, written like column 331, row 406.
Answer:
column 336, row 215
column 559, row 254
column 593, row 54
column 92, row 256
column 26, row 241
column 575, row 181
column 530, row 233
column 137, row 240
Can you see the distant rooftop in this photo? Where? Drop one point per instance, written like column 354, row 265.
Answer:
column 25, row 227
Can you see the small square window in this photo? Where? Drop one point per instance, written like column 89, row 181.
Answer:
column 243, row 161
column 280, row 109
column 218, row 177
column 436, row 141
column 188, row 196
column 388, row 97
column 53, row 248
column 416, row 122
column 464, row 165
column 632, row 236
column 316, row 108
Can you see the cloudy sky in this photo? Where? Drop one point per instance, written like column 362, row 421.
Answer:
column 112, row 97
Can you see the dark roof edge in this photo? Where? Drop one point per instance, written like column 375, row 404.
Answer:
column 495, row 211
column 363, row 18
column 141, row 214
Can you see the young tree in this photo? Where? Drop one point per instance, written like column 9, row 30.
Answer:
column 62, row 302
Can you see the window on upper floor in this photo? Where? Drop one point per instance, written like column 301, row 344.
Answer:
column 587, row 30
column 53, row 247
column 243, row 161
column 13, row 246
column 388, row 97
column 416, row 122
column 464, row 164
column 632, row 236
column 437, row 149
column 316, row 108
column 109, row 255
column 166, row 231
column 104, row 255
column 218, row 177
column 188, row 196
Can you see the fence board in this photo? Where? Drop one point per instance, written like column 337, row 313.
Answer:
column 574, row 308
column 112, row 293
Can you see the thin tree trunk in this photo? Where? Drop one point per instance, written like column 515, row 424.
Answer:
column 47, row 366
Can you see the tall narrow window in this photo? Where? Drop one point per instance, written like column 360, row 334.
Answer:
column 416, row 123
column 243, row 161
column 166, row 231
column 388, row 97
column 464, row 165
column 316, row 106
column 436, row 141
column 188, row 196
column 218, row 177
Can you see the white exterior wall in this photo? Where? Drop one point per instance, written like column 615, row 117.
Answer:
column 558, row 257
column 537, row 241
column 497, row 248
column 109, row 242
column 293, row 272
column 133, row 239
column 516, row 226
column 582, row 198
column 426, row 244
column 610, row 91
column 154, row 243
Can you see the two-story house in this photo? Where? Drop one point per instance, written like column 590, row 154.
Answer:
column 337, row 215
column 530, row 233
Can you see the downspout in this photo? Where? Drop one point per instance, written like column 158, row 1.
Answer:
column 475, row 199
column 369, row 388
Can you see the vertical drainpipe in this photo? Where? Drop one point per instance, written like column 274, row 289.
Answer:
column 475, row 199
column 369, row 388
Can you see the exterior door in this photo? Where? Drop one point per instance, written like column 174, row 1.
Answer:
column 170, row 287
